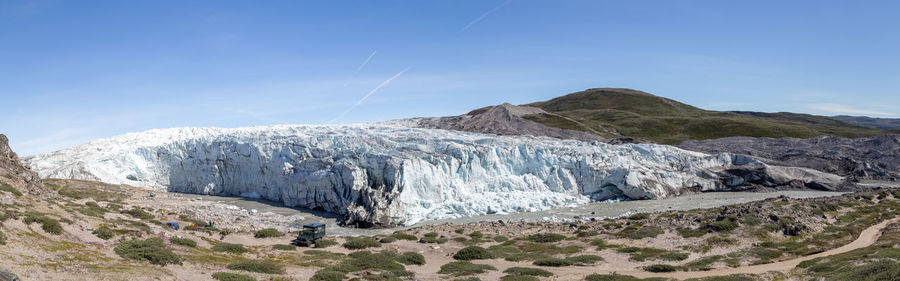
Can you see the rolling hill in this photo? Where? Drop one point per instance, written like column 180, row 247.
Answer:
column 630, row 113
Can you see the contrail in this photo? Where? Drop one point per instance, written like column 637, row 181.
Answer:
column 385, row 83
column 484, row 15
column 365, row 62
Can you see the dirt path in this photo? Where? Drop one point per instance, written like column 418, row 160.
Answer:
column 866, row 238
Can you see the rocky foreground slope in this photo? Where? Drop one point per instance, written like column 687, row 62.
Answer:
column 387, row 175
column 875, row 158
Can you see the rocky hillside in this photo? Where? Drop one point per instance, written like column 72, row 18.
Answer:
column 875, row 158
column 12, row 170
column 507, row 119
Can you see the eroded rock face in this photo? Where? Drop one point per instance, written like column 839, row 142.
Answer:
column 12, row 169
column 875, row 158
column 7, row 275
column 390, row 175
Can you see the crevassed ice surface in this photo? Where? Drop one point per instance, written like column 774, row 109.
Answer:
column 387, row 175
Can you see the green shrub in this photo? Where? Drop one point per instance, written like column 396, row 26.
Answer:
column 599, row 243
column 49, row 225
column 641, row 216
column 404, row 236
column 387, row 240
column 259, row 266
column 500, row 238
column 554, row 262
column 431, row 234
column 267, row 233
column 151, row 249
column 104, row 232
column 460, row 268
column 411, row 258
column 636, row 232
column 476, row 235
column 325, row 243
column 584, row 259
column 433, row 240
column 361, row 243
column 10, row 189
column 545, row 237
column 2, row 238
column 725, row 225
column 228, row 276
column 472, row 253
column 327, row 275
column 528, row 271
column 519, row 278
column 660, row 268
column 139, row 213
column 611, row 277
column 690, row 232
column 230, row 248
column 284, row 247
column 183, row 242
column 473, row 278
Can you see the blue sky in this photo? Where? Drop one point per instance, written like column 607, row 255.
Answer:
column 72, row 71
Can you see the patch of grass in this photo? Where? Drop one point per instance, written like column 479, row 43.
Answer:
column 49, row 225
column 726, row 278
column 640, row 232
column 702, row 264
column 284, row 247
column 476, row 235
column 2, row 238
column 404, row 236
column 104, row 232
column 644, row 254
column 228, row 276
column 411, row 258
column 151, row 249
column 387, row 240
column 584, row 259
column 461, row 268
column 599, row 243
column 660, row 268
column 545, row 237
column 230, row 248
column 528, row 271
column 433, row 240
column 500, row 238
column 690, row 232
column 139, row 213
column 616, row 277
column 259, row 266
column 726, row 225
column 10, row 189
column 267, row 233
column 361, row 243
column 516, row 277
column 325, row 243
column 183, row 242
column 473, row 253
column 640, row 216
column 552, row 262
column 327, row 275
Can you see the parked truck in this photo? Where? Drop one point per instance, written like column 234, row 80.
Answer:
column 310, row 233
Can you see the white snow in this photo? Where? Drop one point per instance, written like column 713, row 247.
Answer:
column 388, row 174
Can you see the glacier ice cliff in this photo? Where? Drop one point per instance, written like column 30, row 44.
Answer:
column 384, row 175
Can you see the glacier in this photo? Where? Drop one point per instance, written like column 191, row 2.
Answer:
column 388, row 175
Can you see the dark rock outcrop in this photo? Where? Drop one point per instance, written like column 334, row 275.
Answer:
column 874, row 158
column 6, row 274
column 13, row 170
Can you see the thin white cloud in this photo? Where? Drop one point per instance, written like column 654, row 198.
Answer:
column 366, row 61
column 486, row 14
column 360, row 101
column 843, row 109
